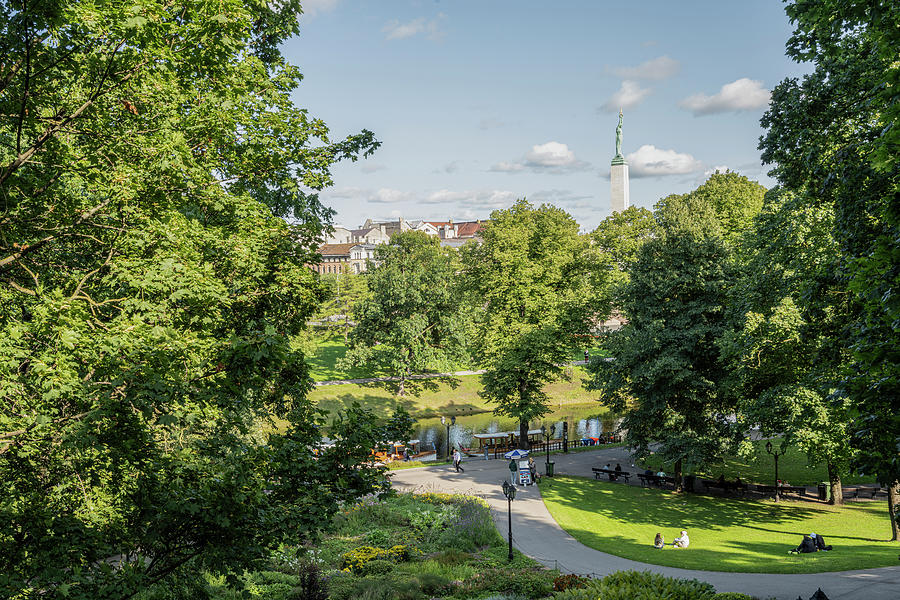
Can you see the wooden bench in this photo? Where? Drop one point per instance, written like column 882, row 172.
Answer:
column 650, row 480
column 611, row 473
column 863, row 491
column 726, row 486
column 782, row 489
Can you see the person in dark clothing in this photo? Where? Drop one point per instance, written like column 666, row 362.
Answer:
column 820, row 542
column 618, row 470
column 806, row 546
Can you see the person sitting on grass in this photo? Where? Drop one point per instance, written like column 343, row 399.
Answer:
column 807, row 545
column 682, row 541
column 820, row 542
column 659, row 543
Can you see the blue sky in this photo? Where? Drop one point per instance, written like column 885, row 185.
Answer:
column 478, row 103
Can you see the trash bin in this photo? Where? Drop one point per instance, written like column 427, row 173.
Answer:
column 823, row 490
column 550, row 468
column 689, row 483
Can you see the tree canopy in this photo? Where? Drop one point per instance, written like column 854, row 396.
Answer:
column 412, row 318
column 832, row 135
column 534, row 284
column 149, row 291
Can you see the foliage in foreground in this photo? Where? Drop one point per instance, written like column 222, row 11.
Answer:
column 150, row 288
column 640, row 586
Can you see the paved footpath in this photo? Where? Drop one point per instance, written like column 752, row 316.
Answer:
column 536, row 534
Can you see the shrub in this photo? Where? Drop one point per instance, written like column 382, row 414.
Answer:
column 470, row 526
column 311, row 585
column 377, row 566
column 356, row 559
column 531, row 583
column 570, row 581
column 640, row 586
column 506, row 597
column 733, row 596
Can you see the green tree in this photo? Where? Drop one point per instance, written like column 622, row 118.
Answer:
column 724, row 206
column 619, row 238
column 149, row 291
column 786, row 354
column 834, row 133
column 346, row 293
column 412, row 320
column 666, row 375
column 535, row 285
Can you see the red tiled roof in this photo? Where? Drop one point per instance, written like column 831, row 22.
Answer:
column 336, row 249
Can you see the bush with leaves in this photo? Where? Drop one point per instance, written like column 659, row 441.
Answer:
column 635, row 585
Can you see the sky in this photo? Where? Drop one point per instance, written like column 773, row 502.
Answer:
column 480, row 102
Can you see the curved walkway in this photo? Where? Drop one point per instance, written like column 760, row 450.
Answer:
column 536, row 534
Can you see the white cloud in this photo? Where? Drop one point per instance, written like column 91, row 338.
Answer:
column 395, row 30
column 380, row 196
column 743, row 94
column 551, row 154
column 552, row 157
column 716, row 169
column 628, row 96
column 650, row 161
column 473, row 199
column 313, row 7
column 658, row 68
column 508, row 167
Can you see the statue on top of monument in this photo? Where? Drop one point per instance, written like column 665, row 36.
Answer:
column 619, row 136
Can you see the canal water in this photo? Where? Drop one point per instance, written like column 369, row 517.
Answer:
column 585, row 421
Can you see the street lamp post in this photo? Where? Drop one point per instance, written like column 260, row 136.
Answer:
column 510, row 492
column 452, row 422
column 546, row 443
column 776, row 454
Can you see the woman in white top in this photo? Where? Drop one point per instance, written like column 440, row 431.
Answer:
column 682, row 541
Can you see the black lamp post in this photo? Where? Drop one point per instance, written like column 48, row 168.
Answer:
column 776, row 454
column 510, row 492
column 452, row 422
column 546, row 443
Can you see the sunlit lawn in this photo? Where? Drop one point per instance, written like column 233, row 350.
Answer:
column 439, row 396
column 727, row 534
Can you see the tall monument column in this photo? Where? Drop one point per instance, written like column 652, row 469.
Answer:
column 618, row 175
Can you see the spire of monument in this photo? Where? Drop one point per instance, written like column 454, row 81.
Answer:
column 618, row 175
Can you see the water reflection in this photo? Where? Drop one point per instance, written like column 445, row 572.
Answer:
column 585, row 421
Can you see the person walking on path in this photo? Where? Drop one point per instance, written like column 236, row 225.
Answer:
column 457, row 461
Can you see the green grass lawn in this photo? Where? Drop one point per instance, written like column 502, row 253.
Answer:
column 727, row 534
column 793, row 467
column 439, row 396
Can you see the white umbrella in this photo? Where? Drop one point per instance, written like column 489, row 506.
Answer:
column 516, row 454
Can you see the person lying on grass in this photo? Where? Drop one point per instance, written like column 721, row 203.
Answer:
column 682, row 541
column 811, row 543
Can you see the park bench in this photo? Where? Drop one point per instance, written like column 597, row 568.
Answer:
column 650, row 480
column 864, row 491
column 611, row 473
column 782, row 489
column 727, row 486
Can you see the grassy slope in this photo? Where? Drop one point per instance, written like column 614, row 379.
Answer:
column 330, row 347
column 727, row 534
column 793, row 467
column 439, row 396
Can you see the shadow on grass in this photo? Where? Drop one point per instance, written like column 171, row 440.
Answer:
column 668, row 509
column 382, row 400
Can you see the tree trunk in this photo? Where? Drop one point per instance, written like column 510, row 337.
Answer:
column 892, row 509
column 523, row 425
column 834, row 479
column 679, row 480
